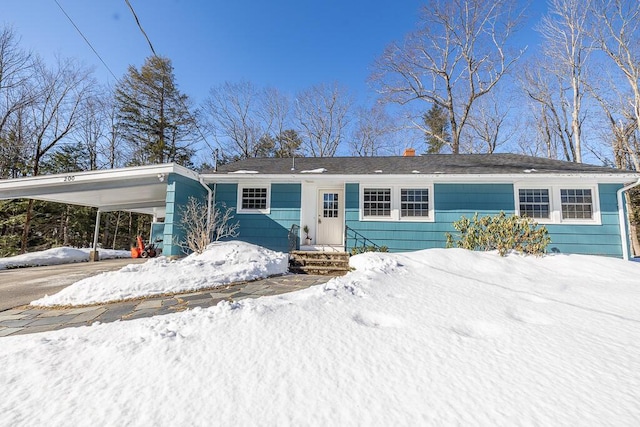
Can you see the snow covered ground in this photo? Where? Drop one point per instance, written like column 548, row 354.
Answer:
column 221, row 264
column 436, row 337
column 62, row 255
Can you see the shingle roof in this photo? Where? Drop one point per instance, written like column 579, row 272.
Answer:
column 425, row 164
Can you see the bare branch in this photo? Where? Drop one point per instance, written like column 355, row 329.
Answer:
column 199, row 230
column 458, row 55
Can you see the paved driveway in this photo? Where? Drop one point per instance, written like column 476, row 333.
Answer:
column 20, row 286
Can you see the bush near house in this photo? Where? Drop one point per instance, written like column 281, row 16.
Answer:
column 500, row 232
column 362, row 249
column 200, row 229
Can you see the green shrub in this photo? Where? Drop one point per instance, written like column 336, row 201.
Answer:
column 362, row 249
column 500, row 232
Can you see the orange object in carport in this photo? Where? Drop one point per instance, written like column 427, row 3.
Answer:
column 142, row 251
column 136, row 251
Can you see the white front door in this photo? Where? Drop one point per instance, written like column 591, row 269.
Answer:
column 330, row 217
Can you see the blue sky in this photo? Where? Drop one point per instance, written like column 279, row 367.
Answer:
column 288, row 44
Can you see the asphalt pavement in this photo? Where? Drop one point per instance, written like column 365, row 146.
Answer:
column 20, row 286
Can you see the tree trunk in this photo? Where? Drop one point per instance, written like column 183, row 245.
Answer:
column 635, row 242
column 633, row 229
column 115, row 232
column 27, row 226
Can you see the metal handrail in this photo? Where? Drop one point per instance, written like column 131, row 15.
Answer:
column 294, row 238
column 358, row 237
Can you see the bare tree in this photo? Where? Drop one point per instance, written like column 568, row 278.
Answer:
column 323, row 113
column 91, row 128
column 374, row 132
column 617, row 32
column 490, row 124
column 545, row 90
column 458, row 55
column 566, row 49
column 234, row 120
column 54, row 114
column 110, row 149
column 16, row 69
column 200, row 229
column 275, row 111
column 620, row 127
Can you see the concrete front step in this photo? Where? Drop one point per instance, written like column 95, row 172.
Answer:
column 322, row 263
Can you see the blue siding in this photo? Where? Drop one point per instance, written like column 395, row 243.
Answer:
column 455, row 200
column 179, row 189
column 451, row 201
column 591, row 239
column 268, row 230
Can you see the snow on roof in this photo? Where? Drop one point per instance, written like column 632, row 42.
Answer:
column 318, row 170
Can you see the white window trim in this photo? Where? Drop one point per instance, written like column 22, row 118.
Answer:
column 241, row 187
column 555, row 203
column 396, row 203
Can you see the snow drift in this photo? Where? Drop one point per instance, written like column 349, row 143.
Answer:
column 436, row 337
column 221, row 263
column 61, row 255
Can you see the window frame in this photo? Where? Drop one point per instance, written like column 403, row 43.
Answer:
column 563, row 204
column 415, row 217
column 549, row 202
column 396, row 202
column 555, row 203
column 242, row 187
column 377, row 188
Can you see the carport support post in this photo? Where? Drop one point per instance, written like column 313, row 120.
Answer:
column 93, row 255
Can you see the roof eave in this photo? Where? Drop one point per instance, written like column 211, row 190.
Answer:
column 438, row 177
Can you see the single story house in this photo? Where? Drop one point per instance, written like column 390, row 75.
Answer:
column 402, row 202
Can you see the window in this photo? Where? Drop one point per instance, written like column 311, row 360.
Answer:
column 560, row 203
column 576, row 204
column 330, row 205
column 376, row 202
column 414, row 202
column 397, row 202
column 253, row 199
column 534, row 202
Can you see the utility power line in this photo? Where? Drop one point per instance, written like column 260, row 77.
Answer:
column 133, row 12
column 195, row 123
column 86, row 40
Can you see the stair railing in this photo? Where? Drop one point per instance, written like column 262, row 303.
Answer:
column 359, row 239
column 294, row 238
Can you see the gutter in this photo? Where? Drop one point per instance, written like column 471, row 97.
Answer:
column 210, row 198
column 623, row 221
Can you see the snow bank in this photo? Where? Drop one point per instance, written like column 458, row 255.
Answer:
column 62, row 255
column 437, row 337
column 220, row 264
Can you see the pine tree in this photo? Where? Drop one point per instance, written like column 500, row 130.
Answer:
column 288, row 144
column 437, row 129
column 153, row 115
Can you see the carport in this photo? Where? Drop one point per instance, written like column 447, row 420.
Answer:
column 141, row 189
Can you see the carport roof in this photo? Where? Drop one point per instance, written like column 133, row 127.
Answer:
column 141, row 189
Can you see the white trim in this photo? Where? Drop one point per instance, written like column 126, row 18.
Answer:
column 121, row 174
column 266, row 210
column 319, row 211
column 622, row 220
column 432, row 178
column 555, row 202
column 396, row 203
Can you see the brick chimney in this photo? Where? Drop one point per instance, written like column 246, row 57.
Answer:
column 409, row 152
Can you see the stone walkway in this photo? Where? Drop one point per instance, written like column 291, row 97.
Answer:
column 28, row 320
